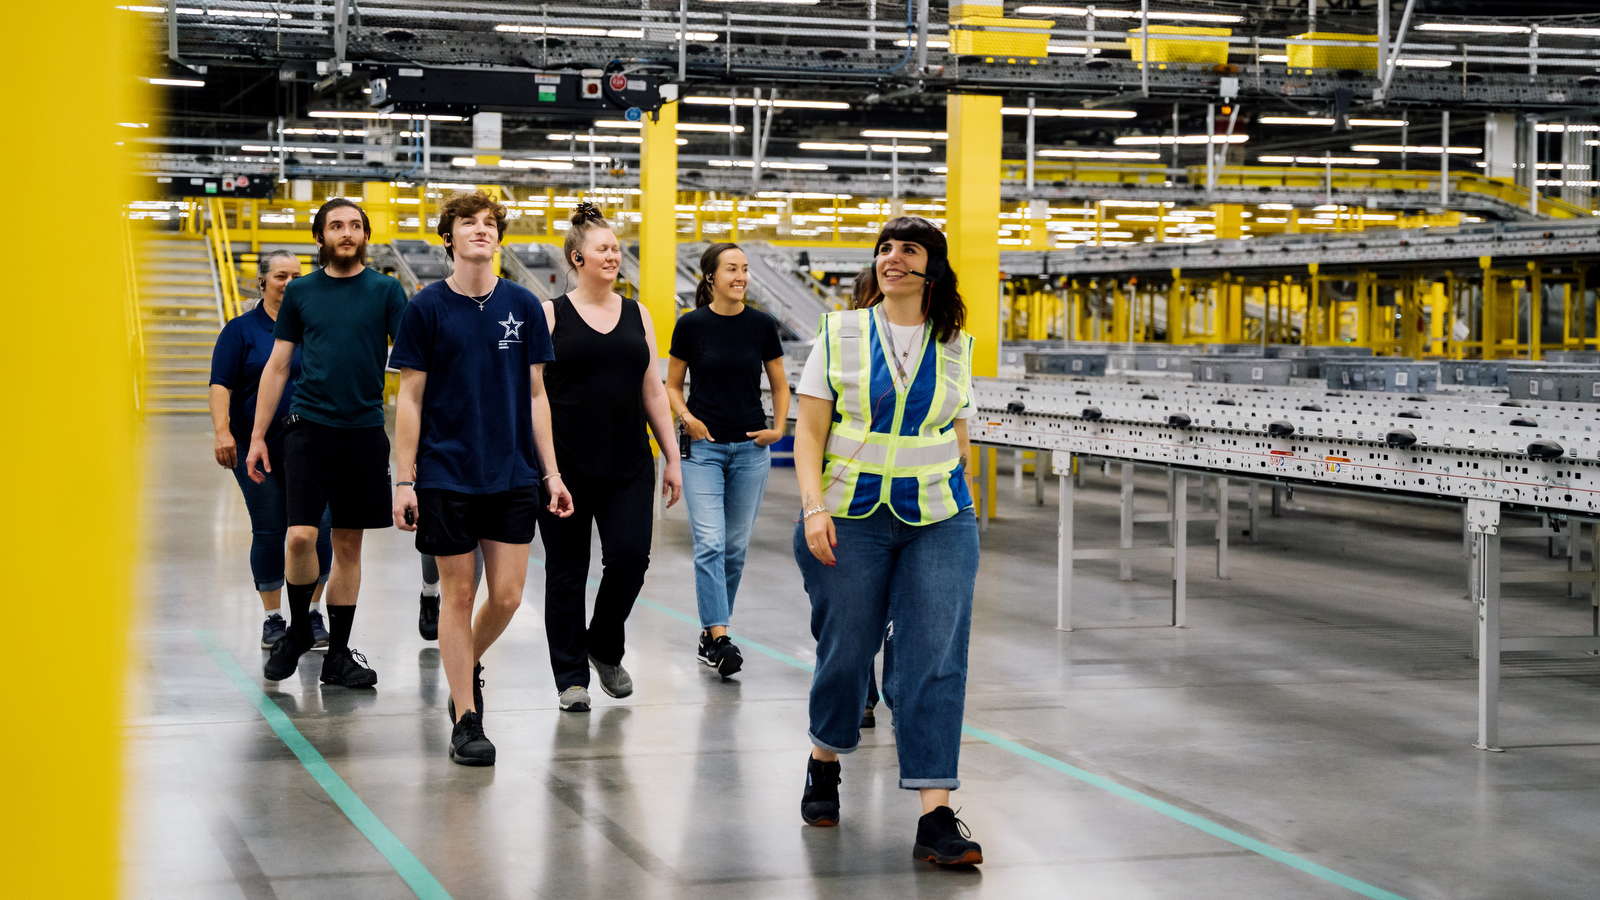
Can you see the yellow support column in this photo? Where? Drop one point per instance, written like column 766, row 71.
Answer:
column 971, row 213
column 658, row 228
column 1228, row 220
column 377, row 197
column 71, row 506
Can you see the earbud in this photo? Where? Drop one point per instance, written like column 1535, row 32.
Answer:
column 577, row 257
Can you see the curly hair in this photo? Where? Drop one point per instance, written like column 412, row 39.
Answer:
column 465, row 204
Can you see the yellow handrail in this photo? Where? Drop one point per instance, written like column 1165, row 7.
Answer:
column 134, row 314
column 222, row 246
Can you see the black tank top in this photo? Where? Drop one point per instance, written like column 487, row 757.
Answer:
column 596, row 390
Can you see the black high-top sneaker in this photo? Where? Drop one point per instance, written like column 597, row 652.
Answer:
column 477, row 693
column 944, row 839
column 468, row 746
column 819, row 805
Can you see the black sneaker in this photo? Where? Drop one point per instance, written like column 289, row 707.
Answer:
column 428, row 618
column 468, row 746
column 944, row 839
column 273, row 630
column 284, row 659
column 477, row 693
column 705, row 649
column 726, row 656
column 349, row 668
column 319, row 631
column 869, row 719
column 819, row 805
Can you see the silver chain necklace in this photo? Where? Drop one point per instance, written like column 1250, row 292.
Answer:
column 901, row 358
column 457, row 289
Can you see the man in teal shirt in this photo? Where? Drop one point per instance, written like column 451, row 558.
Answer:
column 335, row 449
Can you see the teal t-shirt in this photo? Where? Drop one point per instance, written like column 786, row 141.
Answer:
column 343, row 327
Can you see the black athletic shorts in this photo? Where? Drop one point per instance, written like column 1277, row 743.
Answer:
column 451, row 523
column 343, row 469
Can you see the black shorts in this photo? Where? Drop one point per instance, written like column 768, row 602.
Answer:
column 342, row 469
column 451, row 523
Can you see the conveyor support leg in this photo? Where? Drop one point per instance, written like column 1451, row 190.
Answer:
column 1180, row 548
column 1484, row 520
column 1063, row 465
column 1126, row 533
column 1255, row 510
column 1222, row 528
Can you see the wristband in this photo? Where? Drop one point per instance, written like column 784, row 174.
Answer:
column 552, row 475
column 410, row 484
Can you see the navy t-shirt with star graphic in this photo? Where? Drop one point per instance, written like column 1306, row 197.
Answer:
column 477, row 406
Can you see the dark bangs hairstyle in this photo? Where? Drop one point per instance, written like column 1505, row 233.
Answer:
column 320, row 221
column 941, row 298
column 709, row 261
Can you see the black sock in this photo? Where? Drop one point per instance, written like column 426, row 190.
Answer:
column 340, row 618
column 300, row 611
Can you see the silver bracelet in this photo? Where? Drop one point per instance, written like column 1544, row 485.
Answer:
column 811, row 512
column 552, row 475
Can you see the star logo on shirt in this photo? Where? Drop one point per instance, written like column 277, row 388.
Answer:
column 513, row 327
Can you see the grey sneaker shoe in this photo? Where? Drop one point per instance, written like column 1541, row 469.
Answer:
column 614, row 680
column 575, row 699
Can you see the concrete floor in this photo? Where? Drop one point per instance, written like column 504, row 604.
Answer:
column 1316, row 715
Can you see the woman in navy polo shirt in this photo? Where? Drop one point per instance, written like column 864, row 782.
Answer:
column 241, row 353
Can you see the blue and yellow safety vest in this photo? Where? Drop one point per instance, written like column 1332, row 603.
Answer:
column 890, row 443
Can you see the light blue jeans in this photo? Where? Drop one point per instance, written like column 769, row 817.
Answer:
column 722, row 486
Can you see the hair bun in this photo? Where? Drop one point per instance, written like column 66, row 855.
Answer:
column 587, row 212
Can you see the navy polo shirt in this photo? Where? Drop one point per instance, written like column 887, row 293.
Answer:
column 237, row 361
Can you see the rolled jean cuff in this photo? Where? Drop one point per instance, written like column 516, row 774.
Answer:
column 707, row 626
column 269, row 585
column 831, row 749
column 917, row 784
column 323, row 578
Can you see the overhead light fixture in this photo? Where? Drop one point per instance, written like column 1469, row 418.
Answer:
column 134, row 124
column 607, row 138
column 331, row 132
column 354, row 114
column 464, row 161
column 1069, row 113
column 933, row 44
column 782, row 104
column 1273, row 57
column 1125, row 14
column 1137, row 140
column 773, row 2
column 1100, row 154
column 534, row 164
column 914, row 135
column 862, row 148
column 682, row 126
column 634, row 33
column 765, row 164
column 1422, row 63
column 1413, row 148
column 1561, row 29
column 176, row 82
column 1468, row 26
column 1558, row 127
column 1324, row 120
column 1321, row 160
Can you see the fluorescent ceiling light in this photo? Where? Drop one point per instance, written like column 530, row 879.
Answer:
column 1552, row 29
column 134, row 124
column 862, row 148
column 1321, row 160
column 1557, row 127
column 1147, row 139
column 634, row 33
column 745, row 164
column 1323, row 120
column 917, row 135
column 216, row 13
column 464, row 161
column 1069, row 113
column 1467, row 26
column 1100, row 154
column 933, row 44
column 1284, row 206
column 1379, row 123
column 606, row 138
column 1416, row 63
column 534, row 164
column 682, row 126
column 1412, row 148
column 331, row 132
column 1274, row 57
column 353, row 114
column 177, row 82
column 1125, row 14
column 1068, row 49
column 782, row 104
column 774, row 2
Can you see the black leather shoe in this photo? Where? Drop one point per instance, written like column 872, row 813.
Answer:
column 819, row 805
column 349, row 668
column 944, row 839
column 284, row 658
column 428, row 618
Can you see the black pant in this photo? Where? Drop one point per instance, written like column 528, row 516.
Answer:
column 621, row 509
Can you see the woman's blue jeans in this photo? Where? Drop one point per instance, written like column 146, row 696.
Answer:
column 269, row 523
column 722, row 486
column 919, row 577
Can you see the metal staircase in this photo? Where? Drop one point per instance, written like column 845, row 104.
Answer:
column 178, row 310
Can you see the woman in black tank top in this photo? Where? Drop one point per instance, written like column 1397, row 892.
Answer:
column 604, row 390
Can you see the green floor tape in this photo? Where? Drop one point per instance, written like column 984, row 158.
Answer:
column 408, row 867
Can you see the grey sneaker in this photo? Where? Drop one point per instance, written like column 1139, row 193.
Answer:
column 614, row 680
column 575, row 699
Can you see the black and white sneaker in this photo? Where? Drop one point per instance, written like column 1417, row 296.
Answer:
column 944, row 839
column 705, row 649
column 819, row 805
column 727, row 658
column 349, row 668
column 284, row 658
column 428, row 618
column 477, row 693
column 468, row 746
column 273, row 630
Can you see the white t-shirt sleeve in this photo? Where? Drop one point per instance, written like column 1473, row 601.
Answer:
column 814, row 377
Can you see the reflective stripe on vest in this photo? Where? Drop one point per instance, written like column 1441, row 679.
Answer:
column 887, row 445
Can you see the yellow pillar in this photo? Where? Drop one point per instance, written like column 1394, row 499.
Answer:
column 378, row 199
column 71, row 508
column 658, row 228
column 972, row 209
column 1174, row 308
column 1228, row 220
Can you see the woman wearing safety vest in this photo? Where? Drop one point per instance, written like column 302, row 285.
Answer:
column 887, row 535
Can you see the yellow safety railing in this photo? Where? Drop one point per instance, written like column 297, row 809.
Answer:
column 134, row 314
column 222, row 251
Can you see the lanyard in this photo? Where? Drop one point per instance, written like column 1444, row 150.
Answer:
column 894, row 351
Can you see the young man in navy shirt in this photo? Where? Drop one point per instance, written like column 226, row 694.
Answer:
column 473, row 444
column 335, row 448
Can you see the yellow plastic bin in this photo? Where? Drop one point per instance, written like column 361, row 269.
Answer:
column 969, row 42
column 1305, row 57
column 1166, row 49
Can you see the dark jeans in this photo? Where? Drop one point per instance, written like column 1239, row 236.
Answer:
column 621, row 511
column 269, row 522
column 919, row 577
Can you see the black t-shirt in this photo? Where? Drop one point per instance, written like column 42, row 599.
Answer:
column 726, row 355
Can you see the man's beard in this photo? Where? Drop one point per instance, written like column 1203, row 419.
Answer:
column 328, row 253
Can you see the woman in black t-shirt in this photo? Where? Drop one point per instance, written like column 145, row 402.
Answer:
column 725, row 345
